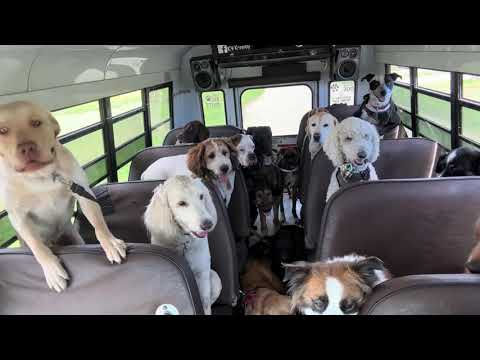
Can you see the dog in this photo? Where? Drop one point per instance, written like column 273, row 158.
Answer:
column 211, row 160
column 288, row 162
column 353, row 146
column 36, row 184
column 264, row 290
column 245, row 148
column 462, row 161
column 319, row 125
column 378, row 107
column 338, row 286
column 193, row 132
column 179, row 217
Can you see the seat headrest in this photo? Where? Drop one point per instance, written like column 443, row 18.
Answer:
column 215, row 131
column 416, row 226
column 150, row 277
column 420, row 294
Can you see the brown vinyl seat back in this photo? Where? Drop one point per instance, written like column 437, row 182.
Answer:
column 123, row 206
column 399, row 159
column 416, row 226
column 444, row 294
column 215, row 131
column 152, row 276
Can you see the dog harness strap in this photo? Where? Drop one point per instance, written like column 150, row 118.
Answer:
column 74, row 187
column 348, row 175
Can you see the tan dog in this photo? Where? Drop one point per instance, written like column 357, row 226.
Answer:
column 319, row 125
column 262, row 287
column 39, row 206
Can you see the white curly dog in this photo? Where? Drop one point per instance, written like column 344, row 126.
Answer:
column 353, row 145
column 179, row 217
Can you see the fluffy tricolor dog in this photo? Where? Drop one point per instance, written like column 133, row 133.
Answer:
column 352, row 147
column 338, row 286
column 180, row 215
column 211, row 159
column 319, row 125
column 34, row 172
column 378, row 107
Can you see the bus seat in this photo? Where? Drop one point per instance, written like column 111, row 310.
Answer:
column 416, row 226
column 123, row 206
column 420, row 295
column 238, row 209
column 399, row 159
column 215, row 131
column 152, row 276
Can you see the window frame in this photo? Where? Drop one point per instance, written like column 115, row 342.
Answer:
column 238, row 98
column 224, row 106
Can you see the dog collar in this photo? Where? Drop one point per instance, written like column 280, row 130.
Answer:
column 348, row 173
column 74, row 187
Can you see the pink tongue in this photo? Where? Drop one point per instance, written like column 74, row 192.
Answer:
column 201, row 234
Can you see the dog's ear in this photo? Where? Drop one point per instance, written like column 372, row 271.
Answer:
column 230, row 146
column 235, row 139
column 158, row 217
column 441, row 163
column 55, row 124
column 368, row 270
column 376, row 143
column 331, row 147
column 295, row 274
column 368, row 77
column 196, row 160
column 395, row 76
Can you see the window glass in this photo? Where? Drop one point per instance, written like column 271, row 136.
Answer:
column 213, row 104
column 471, row 87
column 471, row 124
column 77, row 117
column 403, row 71
column 434, row 80
column 158, row 134
column 159, row 106
column 125, row 102
column 401, row 97
column 281, row 108
column 6, row 230
column 123, row 172
column 435, row 110
column 405, row 117
column 128, row 151
column 432, row 132
column 87, row 147
column 96, row 171
column 342, row 92
column 127, row 129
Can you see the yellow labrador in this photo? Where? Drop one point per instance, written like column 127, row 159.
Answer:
column 39, row 206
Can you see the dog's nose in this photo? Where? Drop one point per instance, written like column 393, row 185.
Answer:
column 383, row 93
column 316, row 137
column 252, row 157
column 27, row 150
column 224, row 168
column 362, row 154
column 206, row 225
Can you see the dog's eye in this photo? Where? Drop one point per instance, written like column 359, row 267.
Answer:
column 325, row 125
column 224, row 153
column 348, row 306
column 182, row 204
column 211, row 156
column 36, row 123
column 3, row 130
column 313, row 125
column 320, row 304
column 348, row 138
column 365, row 136
column 201, row 196
column 242, row 150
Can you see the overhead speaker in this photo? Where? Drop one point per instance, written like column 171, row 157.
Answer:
column 204, row 73
column 346, row 63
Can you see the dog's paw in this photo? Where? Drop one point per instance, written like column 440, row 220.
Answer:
column 115, row 249
column 55, row 274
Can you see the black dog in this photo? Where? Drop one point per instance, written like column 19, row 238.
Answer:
column 193, row 133
column 463, row 161
column 288, row 163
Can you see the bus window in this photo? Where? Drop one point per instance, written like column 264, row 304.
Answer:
column 123, row 103
column 280, row 107
column 342, row 92
column 434, row 80
column 77, row 117
column 403, row 71
column 471, row 87
column 213, row 105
